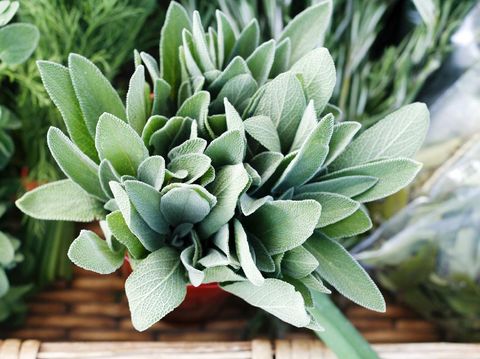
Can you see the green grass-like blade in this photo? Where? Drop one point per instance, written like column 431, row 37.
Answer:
column 339, row 335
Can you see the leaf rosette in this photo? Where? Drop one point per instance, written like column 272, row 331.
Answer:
column 250, row 189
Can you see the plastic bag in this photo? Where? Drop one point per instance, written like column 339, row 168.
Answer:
column 429, row 253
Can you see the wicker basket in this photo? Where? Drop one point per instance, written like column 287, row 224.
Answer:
column 93, row 307
column 256, row 349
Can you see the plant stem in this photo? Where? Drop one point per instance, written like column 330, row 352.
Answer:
column 339, row 335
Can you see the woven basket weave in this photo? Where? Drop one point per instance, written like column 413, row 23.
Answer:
column 256, row 349
column 94, row 307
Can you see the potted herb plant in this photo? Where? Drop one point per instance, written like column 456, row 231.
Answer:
column 232, row 174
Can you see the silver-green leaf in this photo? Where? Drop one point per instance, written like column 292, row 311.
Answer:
column 400, row 134
column 90, row 252
column 318, row 76
column 245, row 256
column 74, row 163
column 274, row 296
column 117, row 142
column 94, row 92
column 61, row 201
column 298, row 220
column 344, row 273
column 155, row 288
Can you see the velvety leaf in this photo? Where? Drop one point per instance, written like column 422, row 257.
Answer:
column 228, row 149
column 274, row 296
column 119, row 229
column 151, row 65
column 150, row 239
column 238, row 90
column 195, row 275
column 154, row 123
column 74, row 163
column 305, row 127
column 284, row 102
column 61, row 201
column 152, row 171
column 307, row 30
column 200, row 43
column 188, row 56
column 266, row 187
column 255, row 178
column 212, row 46
column 298, row 262
column 221, row 240
column 210, row 198
column 112, row 242
column 214, row 259
column 261, row 60
column 106, row 174
column 17, row 43
column 221, row 274
column 357, row 223
column 216, row 125
column 314, row 283
column 196, row 107
column 298, row 219
column 207, row 177
column 57, row 82
column 94, row 92
column 266, row 163
column 262, row 129
column 282, row 56
column 8, row 9
column 236, row 67
column 392, row 174
column 349, row 186
column 117, row 142
column 400, row 134
column 155, row 288
column 161, row 93
column 247, row 41
column 318, row 76
column 277, row 260
column 245, row 256
column 263, row 260
column 232, row 118
column 344, row 273
column 342, row 135
column 335, row 207
column 136, row 104
column 90, row 252
column 193, row 145
column 249, row 205
column 308, row 162
column 176, row 20
column 306, row 295
column 229, row 183
column 226, row 37
column 184, row 205
column 196, row 164
column 146, row 201
column 172, row 176
column 170, row 135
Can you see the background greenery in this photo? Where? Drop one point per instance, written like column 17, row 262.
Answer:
column 384, row 50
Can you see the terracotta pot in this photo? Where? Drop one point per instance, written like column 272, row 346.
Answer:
column 201, row 303
column 28, row 184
